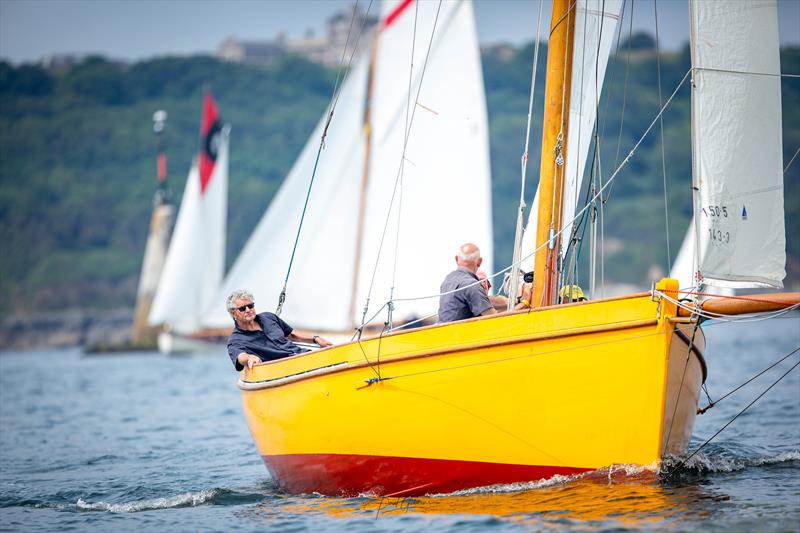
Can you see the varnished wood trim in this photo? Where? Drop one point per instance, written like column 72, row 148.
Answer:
column 742, row 305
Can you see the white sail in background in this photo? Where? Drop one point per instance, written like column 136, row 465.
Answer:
column 737, row 148
column 683, row 268
column 595, row 28
column 445, row 191
column 320, row 284
column 195, row 262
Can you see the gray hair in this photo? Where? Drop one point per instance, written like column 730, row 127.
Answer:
column 470, row 258
column 239, row 294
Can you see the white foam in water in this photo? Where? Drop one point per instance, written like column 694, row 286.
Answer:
column 731, row 464
column 512, row 487
column 188, row 499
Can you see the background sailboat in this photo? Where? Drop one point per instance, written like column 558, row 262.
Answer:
column 435, row 186
column 195, row 261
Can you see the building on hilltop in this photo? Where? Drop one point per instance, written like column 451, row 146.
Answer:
column 326, row 49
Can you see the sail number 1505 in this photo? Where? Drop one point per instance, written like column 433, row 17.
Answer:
column 716, row 211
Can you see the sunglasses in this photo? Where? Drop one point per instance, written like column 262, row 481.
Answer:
column 241, row 308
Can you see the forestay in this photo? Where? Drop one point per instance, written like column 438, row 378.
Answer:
column 595, row 26
column 195, row 261
column 737, row 159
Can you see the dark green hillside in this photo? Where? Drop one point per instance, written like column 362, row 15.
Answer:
column 77, row 161
column 77, row 168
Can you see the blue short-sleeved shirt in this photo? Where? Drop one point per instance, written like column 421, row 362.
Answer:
column 268, row 343
column 466, row 303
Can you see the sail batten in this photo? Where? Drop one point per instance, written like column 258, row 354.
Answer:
column 736, row 143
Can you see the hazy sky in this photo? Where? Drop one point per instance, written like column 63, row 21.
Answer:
column 138, row 29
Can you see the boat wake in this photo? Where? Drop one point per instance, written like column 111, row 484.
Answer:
column 727, row 463
column 216, row 496
column 609, row 473
column 187, row 499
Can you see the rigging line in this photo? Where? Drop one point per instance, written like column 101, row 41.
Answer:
column 661, row 127
column 528, row 355
column 407, row 324
column 624, row 95
column 597, row 194
column 683, row 379
column 577, row 215
column 337, row 92
column 366, row 359
column 561, row 141
column 791, row 160
column 770, row 367
column 731, row 297
column 747, row 73
column 613, row 71
column 581, row 170
column 684, row 461
column 344, row 50
column 403, row 165
column 405, row 145
column 752, row 317
column 355, row 46
column 514, row 281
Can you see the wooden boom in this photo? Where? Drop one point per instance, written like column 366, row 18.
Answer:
column 742, row 305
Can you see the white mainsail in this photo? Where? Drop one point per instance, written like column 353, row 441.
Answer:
column 445, row 190
column 595, row 26
column 446, row 194
column 195, row 262
column 736, row 142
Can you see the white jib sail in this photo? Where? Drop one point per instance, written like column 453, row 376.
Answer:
column 446, row 176
column 737, row 147
column 320, row 282
column 684, row 267
column 195, row 261
column 595, row 27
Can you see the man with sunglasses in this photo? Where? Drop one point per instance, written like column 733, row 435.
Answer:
column 261, row 337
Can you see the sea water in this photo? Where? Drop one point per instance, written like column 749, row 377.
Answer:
column 140, row 441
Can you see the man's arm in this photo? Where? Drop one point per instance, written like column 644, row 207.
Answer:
column 490, row 311
column 248, row 360
column 315, row 339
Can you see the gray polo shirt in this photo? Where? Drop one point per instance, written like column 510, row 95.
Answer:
column 466, row 303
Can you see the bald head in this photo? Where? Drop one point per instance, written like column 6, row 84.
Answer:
column 469, row 257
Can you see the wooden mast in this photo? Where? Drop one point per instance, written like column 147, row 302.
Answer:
column 362, row 200
column 554, row 147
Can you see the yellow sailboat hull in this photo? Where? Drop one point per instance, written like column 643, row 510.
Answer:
column 512, row 397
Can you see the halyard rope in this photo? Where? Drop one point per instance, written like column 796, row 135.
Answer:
column 577, row 215
column 335, row 100
column 407, row 135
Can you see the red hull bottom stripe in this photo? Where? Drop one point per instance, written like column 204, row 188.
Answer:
column 351, row 475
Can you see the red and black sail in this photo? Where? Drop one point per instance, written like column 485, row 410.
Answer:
column 210, row 131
